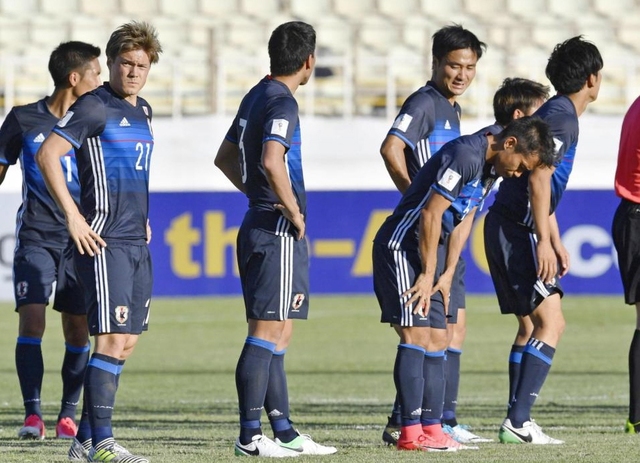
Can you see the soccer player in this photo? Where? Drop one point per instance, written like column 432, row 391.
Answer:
column 626, row 238
column 515, row 98
column 261, row 156
column 416, row 251
column 429, row 118
column 110, row 130
column 40, row 258
column 521, row 229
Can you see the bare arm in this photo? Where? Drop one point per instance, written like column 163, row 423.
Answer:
column 3, row 171
column 392, row 151
column 540, row 197
column 278, row 177
column 456, row 242
column 228, row 161
column 561, row 252
column 429, row 233
column 48, row 159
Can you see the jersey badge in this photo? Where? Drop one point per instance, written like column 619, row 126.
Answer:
column 298, row 299
column 122, row 314
column 557, row 143
column 39, row 138
column 449, row 180
column 124, row 122
column 65, row 119
column 22, row 288
column 402, row 122
column 279, row 127
column 447, row 125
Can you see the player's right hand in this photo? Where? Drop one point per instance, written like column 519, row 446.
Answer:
column 84, row 237
column 420, row 295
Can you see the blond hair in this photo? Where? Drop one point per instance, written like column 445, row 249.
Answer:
column 134, row 35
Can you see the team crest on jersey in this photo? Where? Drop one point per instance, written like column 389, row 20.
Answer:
column 557, row 143
column 298, row 299
column 122, row 314
column 65, row 119
column 279, row 127
column 22, row 288
column 402, row 122
column 450, row 179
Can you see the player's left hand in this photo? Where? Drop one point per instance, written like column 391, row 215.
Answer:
column 547, row 261
column 296, row 218
column 148, row 232
column 563, row 259
column 444, row 286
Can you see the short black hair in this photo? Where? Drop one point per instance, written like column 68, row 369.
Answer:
column 517, row 93
column 533, row 136
column 68, row 57
column 455, row 37
column 290, row 45
column 571, row 63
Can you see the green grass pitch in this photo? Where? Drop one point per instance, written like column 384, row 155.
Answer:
column 177, row 400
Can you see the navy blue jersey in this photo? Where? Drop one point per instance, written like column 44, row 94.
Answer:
column 460, row 173
column 39, row 220
column 269, row 112
column 113, row 142
column 512, row 199
column 426, row 121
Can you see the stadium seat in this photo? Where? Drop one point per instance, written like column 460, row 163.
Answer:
column 14, row 34
column 262, row 9
column 334, row 34
column 219, row 8
column 629, row 35
column 416, row 32
column 92, row 29
column 446, row 12
column 18, row 8
column 399, row 10
column 32, row 79
column 172, row 33
column 529, row 62
column 135, row 8
column 99, row 8
column 181, row 8
column 310, row 11
column 378, row 33
column 527, row 11
column 486, row 10
column 58, row 7
column 47, row 32
column 567, row 10
column 615, row 9
column 353, row 9
column 273, row 21
column 245, row 33
column 202, row 29
column 552, row 32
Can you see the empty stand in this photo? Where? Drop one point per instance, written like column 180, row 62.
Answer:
column 399, row 11
column 310, row 11
column 371, row 53
column 103, row 8
column 354, row 10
